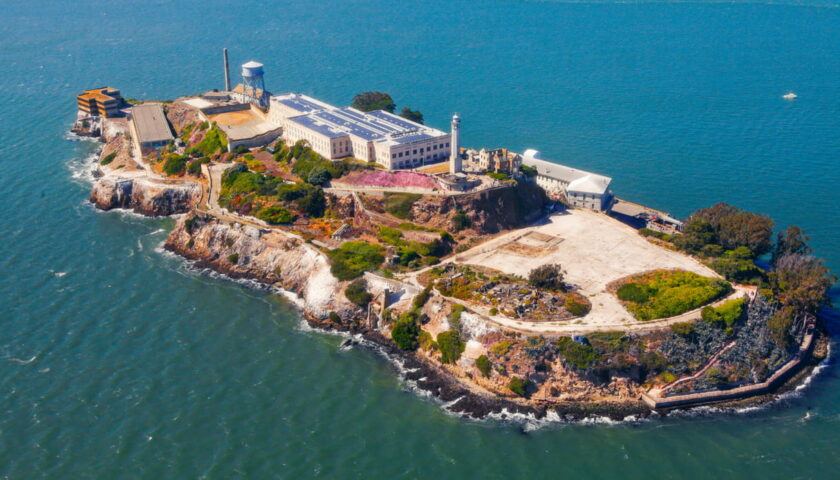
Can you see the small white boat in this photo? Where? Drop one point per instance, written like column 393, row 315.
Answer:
column 789, row 96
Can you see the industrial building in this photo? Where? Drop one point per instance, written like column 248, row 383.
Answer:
column 149, row 127
column 100, row 102
column 578, row 187
column 379, row 136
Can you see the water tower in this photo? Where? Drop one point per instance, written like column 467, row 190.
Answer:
column 253, row 85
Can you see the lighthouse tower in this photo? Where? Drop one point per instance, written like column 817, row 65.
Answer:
column 455, row 153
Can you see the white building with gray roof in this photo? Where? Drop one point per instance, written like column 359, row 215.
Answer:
column 580, row 188
column 379, row 136
column 149, row 126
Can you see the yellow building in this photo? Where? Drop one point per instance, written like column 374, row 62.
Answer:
column 100, row 102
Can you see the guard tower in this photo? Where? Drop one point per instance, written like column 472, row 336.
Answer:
column 253, row 85
column 455, row 153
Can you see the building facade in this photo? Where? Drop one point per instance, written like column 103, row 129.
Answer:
column 149, row 127
column 100, row 102
column 578, row 187
column 379, row 136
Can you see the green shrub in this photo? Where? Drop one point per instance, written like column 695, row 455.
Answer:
column 502, row 347
column 175, row 165
column 357, row 292
column 549, row 277
column 498, row 176
column 726, row 315
column 399, row 204
column 240, row 149
column 460, row 221
column 214, row 141
column 484, row 366
column 275, row 215
column 576, row 308
column 450, row 346
column 685, row 329
column 194, row 167
column 405, row 333
column 633, row 292
column 334, row 317
column 519, row 386
column 780, row 326
column 494, row 311
column 578, row 355
column 421, row 298
column 352, row 259
column 426, row 342
column 108, row 158
column 370, row 101
column 233, row 258
column 390, row 235
column 455, row 315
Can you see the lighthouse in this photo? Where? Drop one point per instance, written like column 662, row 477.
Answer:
column 455, row 153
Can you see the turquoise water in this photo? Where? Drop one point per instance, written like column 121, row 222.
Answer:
column 119, row 361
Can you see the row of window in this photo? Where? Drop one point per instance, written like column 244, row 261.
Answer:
column 421, row 150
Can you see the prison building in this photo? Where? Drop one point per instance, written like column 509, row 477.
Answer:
column 580, row 188
column 100, row 102
column 149, row 127
column 379, row 136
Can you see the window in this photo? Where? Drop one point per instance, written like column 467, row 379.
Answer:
column 447, row 144
column 393, row 155
column 415, row 151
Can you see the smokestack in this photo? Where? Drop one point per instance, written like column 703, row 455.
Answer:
column 227, row 71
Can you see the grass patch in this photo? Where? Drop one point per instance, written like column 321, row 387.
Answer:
column 352, row 259
column 399, row 204
column 666, row 293
column 579, row 355
column 108, row 158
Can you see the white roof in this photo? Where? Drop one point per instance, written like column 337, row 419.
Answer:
column 252, row 64
column 576, row 180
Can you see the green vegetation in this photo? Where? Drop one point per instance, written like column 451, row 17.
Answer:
column 412, row 254
column 370, row 101
column 214, row 141
column 549, row 277
column 519, row 386
column 801, row 281
column 421, row 298
column 426, row 341
column 233, row 258
column 240, row 149
column 454, row 316
column 498, row 176
column 241, row 187
column 406, row 332
column 686, row 329
column 528, row 171
column 352, row 259
column 725, row 315
column 727, row 226
column 575, row 307
column 357, row 292
column 646, row 232
column 275, row 215
column 450, row 346
column 666, row 293
column 576, row 354
column 175, row 164
column 736, row 265
column 194, row 167
column 413, row 115
column 502, row 347
column 460, row 221
column 108, row 158
column 780, row 325
column 399, row 204
column 484, row 366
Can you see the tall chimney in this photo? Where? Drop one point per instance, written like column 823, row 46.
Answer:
column 227, row 71
column 455, row 152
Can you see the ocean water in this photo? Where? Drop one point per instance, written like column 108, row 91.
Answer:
column 118, row 360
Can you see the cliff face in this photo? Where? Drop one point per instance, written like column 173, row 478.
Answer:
column 488, row 212
column 271, row 257
column 144, row 195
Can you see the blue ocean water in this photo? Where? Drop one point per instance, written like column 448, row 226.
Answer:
column 120, row 361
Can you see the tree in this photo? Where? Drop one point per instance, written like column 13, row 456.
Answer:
column 736, row 228
column 460, row 221
column 547, row 276
column 405, row 332
column 519, row 386
column 792, row 241
column 484, row 366
column 698, row 233
column 369, row 101
column 801, row 281
column 357, row 292
column 450, row 346
column 413, row 115
column 318, row 176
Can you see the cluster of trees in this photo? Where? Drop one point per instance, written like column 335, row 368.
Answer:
column 370, row 101
column 214, row 142
column 310, row 166
column 357, row 292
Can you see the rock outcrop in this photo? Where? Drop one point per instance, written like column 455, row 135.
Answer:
column 144, row 195
column 268, row 256
column 488, row 211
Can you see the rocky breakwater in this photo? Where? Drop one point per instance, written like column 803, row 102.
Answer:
column 144, row 194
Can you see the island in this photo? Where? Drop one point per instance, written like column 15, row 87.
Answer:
column 501, row 282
